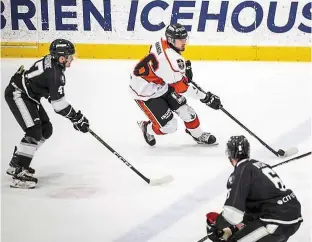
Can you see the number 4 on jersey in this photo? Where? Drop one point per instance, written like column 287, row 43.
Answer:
column 61, row 90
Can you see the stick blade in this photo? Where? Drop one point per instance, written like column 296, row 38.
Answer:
column 161, row 181
column 290, row 152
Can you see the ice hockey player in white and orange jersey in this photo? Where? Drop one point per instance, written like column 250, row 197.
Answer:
column 157, row 83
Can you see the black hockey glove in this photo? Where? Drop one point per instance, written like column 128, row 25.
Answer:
column 212, row 101
column 188, row 70
column 80, row 122
column 212, row 231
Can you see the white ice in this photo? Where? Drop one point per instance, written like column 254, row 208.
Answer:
column 86, row 194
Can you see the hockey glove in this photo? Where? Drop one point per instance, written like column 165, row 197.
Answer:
column 212, row 231
column 80, row 122
column 188, row 70
column 218, row 235
column 212, row 101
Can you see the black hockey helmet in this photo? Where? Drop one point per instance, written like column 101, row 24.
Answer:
column 238, row 148
column 61, row 47
column 175, row 31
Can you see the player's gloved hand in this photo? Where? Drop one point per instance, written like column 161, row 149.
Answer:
column 226, row 233
column 188, row 70
column 219, row 235
column 80, row 122
column 212, row 101
column 212, row 231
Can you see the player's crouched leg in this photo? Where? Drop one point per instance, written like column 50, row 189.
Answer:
column 170, row 127
column 153, row 128
column 193, row 127
column 47, row 131
column 23, row 176
column 261, row 232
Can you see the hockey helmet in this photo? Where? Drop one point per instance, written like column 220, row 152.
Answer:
column 238, row 148
column 175, row 31
column 61, row 47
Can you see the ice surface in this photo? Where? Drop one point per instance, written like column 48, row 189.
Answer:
column 86, row 194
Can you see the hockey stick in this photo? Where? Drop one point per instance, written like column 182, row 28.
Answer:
column 203, row 239
column 292, row 159
column 153, row 182
column 280, row 153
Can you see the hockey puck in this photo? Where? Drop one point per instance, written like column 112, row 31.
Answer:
column 281, row 152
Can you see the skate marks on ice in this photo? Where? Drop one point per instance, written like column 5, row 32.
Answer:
column 205, row 192
column 71, row 187
column 57, row 185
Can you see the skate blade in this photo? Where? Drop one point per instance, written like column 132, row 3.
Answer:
column 23, row 184
column 205, row 144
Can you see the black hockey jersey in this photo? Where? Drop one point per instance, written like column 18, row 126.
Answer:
column 255, row 189
column 46, row 78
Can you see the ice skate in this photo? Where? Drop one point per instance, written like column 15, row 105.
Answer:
column 150, row 139
column 23, row 179
column 13, row 165
column 205, row 138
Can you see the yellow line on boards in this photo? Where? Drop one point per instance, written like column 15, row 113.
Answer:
column 193, row 52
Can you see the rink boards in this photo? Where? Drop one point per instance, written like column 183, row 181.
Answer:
column 105, row 29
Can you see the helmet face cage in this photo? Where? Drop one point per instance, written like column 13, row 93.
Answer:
column 176, row 31
column 238, row 148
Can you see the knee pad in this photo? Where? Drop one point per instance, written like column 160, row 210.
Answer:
column 170, row 127
column 186, row 113
column 47, row 130
column 34, row 133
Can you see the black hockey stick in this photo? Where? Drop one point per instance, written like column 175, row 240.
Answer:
column 279, row 153
column 203, row 239
column 292, row 159
column 153, row 182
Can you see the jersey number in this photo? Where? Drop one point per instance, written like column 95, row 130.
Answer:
column 143, row 68
column 274, row 178
column 39, row 71
column 61, row 90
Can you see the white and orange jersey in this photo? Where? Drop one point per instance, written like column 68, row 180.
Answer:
column 162, row 66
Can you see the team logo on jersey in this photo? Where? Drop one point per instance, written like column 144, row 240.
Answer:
column 181, row 64
column 231, row 180
column 48, row 62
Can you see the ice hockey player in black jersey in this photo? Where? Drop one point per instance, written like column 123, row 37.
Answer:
column 23, row 94
column 258, row 206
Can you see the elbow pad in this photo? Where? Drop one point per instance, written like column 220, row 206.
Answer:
column 67, row 112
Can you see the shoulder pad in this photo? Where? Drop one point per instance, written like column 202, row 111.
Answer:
column 177, row 61
column 47, row 62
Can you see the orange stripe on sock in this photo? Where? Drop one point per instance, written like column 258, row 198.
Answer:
column 157, row 130
column 193, row 124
